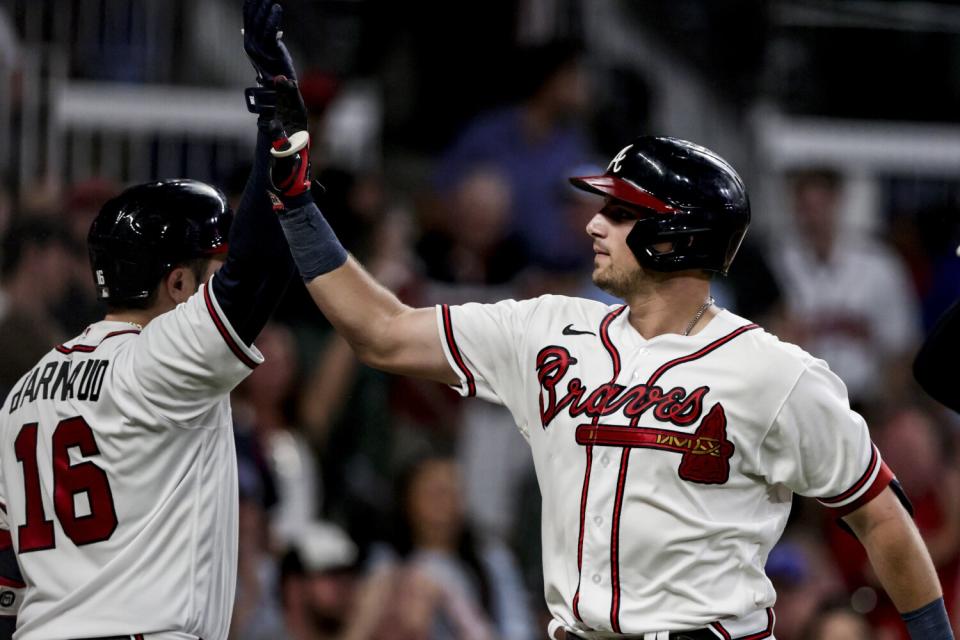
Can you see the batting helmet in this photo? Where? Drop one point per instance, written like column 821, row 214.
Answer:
column 149, row 229
column 682, row 193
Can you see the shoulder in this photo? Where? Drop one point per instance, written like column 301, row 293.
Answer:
column 766, row 352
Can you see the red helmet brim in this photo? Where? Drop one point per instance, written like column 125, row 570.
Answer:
column 622, row 190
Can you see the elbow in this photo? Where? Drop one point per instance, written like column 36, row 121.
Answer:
column 373, row 355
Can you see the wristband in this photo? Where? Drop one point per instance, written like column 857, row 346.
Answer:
column 313, row 244
column 929, row 622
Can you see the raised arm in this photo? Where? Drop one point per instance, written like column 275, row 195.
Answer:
column 901, row 562
column 384, row 332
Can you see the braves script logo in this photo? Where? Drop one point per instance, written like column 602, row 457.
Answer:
column 705, row 453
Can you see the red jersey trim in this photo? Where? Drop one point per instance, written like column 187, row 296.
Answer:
column 455, row 351
column 13, row 584
column 861, row 482
column 585, row 488
column 766, row 633
column 702, row 352
column 884, row 476
column 86, row 348
column 221, row 325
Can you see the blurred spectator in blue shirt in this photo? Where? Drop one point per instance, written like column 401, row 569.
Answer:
column 535, row 144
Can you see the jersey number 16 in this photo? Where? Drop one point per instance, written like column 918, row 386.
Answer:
column 68, row 481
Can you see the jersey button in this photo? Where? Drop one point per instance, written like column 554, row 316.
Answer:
column 598, row 520
column 596, row 578
column 605, row 460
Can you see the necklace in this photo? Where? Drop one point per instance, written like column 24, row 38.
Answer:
column 696, row 318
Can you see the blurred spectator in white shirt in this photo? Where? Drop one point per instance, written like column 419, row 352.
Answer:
column 848, row 297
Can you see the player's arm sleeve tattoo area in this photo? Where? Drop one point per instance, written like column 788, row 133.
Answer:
column 259, row 267
column 820, row 448
column 935, row 366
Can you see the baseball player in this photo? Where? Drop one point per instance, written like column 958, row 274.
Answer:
column 668, row 435
column 118, row 475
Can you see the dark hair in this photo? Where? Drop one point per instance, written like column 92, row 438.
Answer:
column 26, row 232
column 196, row 266
column 467, row 545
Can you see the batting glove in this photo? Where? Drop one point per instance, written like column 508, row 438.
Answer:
column 290, row 151
column 263, row 41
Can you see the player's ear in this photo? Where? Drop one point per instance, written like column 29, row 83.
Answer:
column 180, row 284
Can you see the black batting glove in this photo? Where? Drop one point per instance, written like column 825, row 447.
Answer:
column 263, row 41
column 290, row 148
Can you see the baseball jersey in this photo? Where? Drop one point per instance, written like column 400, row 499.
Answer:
column 118, row 476
column 666, row 466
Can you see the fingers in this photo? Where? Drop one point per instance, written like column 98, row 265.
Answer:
column 263, row 13
column 274, row 20
column 250, row 9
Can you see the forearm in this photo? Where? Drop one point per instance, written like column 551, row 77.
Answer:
column 259, row 267
column 901, row 563
column 384, row 332
column 361, row 310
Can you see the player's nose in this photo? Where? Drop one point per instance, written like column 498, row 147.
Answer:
column 597, row 227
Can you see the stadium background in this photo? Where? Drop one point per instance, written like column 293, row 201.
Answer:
column 444, row 132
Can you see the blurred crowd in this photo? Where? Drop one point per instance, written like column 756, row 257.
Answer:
column 374, row 506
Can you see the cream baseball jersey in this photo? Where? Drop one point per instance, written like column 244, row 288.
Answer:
column 119, row 478
column 666, row 466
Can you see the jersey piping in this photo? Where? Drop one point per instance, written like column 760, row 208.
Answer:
column 625, row 463
column 233, row 342
column 874, row 480
column 585, row 490
column 87, row 348
column 760, row 635
column 455, row 351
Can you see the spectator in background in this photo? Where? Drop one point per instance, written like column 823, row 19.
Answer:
column 837, row 621
column 33, row 276
column 320, row 581
column 912, row 442
column 474, row 245
column 263, row 404
column 79, row 306
column 534, row 144
column 848, row 299
column 257, row 611
column 804, row 576
column 479, row 587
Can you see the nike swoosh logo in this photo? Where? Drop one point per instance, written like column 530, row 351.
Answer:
column 570, row 331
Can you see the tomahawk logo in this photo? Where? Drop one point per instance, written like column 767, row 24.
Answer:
column 614, row 165
column 705, row 453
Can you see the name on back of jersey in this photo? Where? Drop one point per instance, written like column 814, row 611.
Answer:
column 63, row 380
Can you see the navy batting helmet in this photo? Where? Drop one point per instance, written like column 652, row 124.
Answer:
column 681, row 193
column 149, row 229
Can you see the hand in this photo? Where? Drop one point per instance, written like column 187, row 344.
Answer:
column 290, row 151
column 262, row 40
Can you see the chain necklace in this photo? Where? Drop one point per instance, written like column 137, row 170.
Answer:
column 696, row 318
